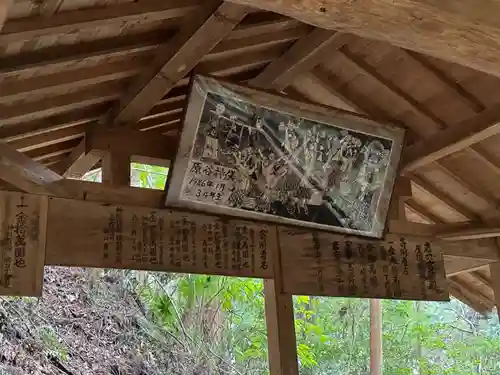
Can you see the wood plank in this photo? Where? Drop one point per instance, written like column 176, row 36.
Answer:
column 328, row 264
column 27, row 175
column 48, row 138
column 304, row 55
column 133, row 142
column 116, row 168
column 16, row 89
column 68, row 21
column 442, row 196
column 280, row 320
column 460, row 31
column 80, row 161
column 471, row 232
column 96, row 94
column 23, row 225
column 205, row 244
column 57, row 55
column 4, row 7
column 495, row 281
column 27, row 129
column 376, row 342
column 174, row 60
column 454, row 139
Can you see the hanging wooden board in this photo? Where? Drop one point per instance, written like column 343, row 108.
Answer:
column 86, row 234
column 23, row 223
column 327, row 264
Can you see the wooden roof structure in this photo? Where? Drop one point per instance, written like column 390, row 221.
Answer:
column 83, row 80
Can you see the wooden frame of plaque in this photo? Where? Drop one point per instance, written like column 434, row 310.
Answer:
column 259, row 155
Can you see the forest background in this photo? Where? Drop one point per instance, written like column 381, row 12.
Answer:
column 120, row 322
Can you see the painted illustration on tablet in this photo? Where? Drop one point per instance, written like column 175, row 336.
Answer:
column 257, row 159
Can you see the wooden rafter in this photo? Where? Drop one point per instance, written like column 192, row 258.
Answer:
column 442, row 196
column 453, row 32
column 68, row 21
column 304, row 55
column 26, row 174
column 449, row 141
column 4, row 6
column 495, row 280
column 176, row 58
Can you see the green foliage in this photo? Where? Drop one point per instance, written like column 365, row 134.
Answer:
column 219, row 324
column 51, row 342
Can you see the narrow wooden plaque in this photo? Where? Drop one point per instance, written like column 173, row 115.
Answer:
column 23, row 224
column 87, row 234
column 327, row 264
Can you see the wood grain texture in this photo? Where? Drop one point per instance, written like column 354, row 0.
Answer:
column 316, row 263
column 304, row 55
column 69, row 21
column 4, row 7
column 23, row 224
column 449, row 141
column 101, row 235
column 495, row 280
column 175, row 59
column 280, row 319
column 458, row 31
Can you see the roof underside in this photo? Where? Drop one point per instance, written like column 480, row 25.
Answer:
column 66, row 64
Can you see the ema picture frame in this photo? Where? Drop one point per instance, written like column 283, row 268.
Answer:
column 253, row 154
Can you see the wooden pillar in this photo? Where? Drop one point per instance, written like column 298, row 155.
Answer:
column 116, row 169
column 282, row 344
column 495, row 283
column 376, row 366
column 4, row 7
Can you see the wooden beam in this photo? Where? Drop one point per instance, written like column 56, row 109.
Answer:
column 106, row 48
column 132, row 142
column 304, row 55
column 46, row 106
column 442, row 196
column 495, row 281
column 64, row 22
column 376, row 342
column 459, row 32
column 57, row 82
column 80, row 161
column 4, row 7
column 98, row 143
column 470, row 232
column 25, row 174
column 454, row 139
column 281, row 338
column 176, row 58
column 116, row 168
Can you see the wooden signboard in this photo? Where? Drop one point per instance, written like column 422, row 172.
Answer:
column 327, row 264
column 253, row 154
column 22, row 244
column 86, row 234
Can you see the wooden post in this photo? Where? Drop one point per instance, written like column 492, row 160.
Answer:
column 375, row 337
column 4, row 6
column 495, row 283
column 116, row 169
column 282, row 344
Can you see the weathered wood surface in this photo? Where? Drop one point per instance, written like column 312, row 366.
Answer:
column 101, row 235
column 458, row 31
column 452, row 140
column 4, row 6
column 22, row 243
column 327, row 264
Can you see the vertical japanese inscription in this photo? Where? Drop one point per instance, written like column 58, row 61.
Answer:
column 21, row 252
column 336, row 265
